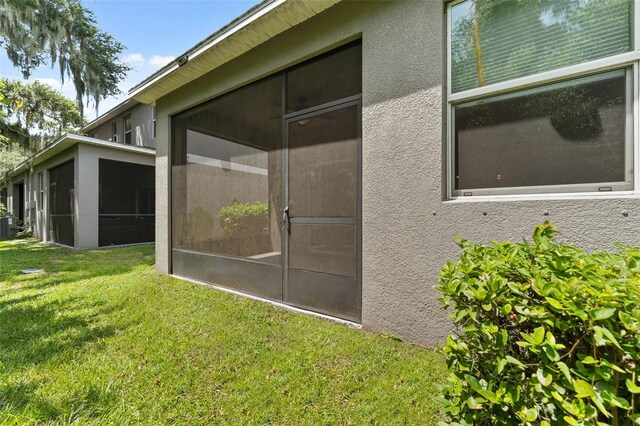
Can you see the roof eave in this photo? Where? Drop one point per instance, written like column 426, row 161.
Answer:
column 253, row 28
column 64, row 142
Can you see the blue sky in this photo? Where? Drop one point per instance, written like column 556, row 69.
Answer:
column 154, row 32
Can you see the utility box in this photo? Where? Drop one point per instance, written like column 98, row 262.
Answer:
column 5, row 227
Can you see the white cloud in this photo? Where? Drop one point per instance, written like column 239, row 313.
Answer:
column 159, row 61
column 134, row 59
column 55, row 83
column 67, row 89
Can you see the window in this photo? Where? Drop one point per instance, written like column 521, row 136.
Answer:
column 114, row 132
column 127, row 129
column 540, row 96
column 40, row 191
column 154, row 119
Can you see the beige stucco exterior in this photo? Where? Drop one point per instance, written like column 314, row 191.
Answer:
column 408, row 225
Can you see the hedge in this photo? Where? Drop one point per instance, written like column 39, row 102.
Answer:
column 547, row 334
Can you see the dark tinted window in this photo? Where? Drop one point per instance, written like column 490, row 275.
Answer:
column 568, row 133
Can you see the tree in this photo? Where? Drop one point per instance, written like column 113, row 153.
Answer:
column 62, row 32
column 10, row 157
column 30, row 116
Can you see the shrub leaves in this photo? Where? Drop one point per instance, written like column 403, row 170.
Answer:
column 550, row 334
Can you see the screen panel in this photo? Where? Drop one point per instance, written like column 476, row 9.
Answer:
column 61, row 204
column 126, row 203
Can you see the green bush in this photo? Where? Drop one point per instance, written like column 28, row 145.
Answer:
column 244, row 219
column 547, row 334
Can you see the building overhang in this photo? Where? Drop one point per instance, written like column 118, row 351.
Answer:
column 64, row 142
column 257, row 25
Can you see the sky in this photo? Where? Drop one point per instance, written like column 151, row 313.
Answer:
column 154, row 31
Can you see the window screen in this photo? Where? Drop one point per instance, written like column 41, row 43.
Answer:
column 127, row 130
column 567, row 133
column 61, row 204
column 498, row 40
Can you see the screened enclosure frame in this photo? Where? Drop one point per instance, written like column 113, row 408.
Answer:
column 129, row 217
column 226, row 261
column 629, row 61
column 57, row 194
column 351, row 101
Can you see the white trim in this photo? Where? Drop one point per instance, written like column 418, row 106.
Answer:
column 105, row 144
column 70, row 139
column 447, row 18
column 341, row 321
column 450, row 153
column 636, row 21
column 242, row 23
column 237, row 27
column 609, row 63
column 559, row 196
column 133, row 92
column 636, row 126
column 631, row 125
column 628, row 61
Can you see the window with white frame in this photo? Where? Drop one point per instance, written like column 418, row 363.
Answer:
column 154, row 120
column 540, row 96
column 114, row 132
column 127, row 129
column 41, row 191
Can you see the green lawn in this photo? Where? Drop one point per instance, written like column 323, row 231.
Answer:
column 99, row 338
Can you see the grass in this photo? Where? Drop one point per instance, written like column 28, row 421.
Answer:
column 99, row 338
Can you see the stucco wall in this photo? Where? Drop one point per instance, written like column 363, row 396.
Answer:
column 408, row 226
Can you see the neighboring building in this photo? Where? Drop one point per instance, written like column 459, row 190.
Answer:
column 325, row 153
column 86, row 192
column 129, row 123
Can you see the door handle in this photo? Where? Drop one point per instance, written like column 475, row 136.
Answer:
column 286, row 219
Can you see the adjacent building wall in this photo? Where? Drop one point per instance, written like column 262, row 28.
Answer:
column 408, row 226
column 86, row 158
column 141, row 124
column 37, row 213
column 87, row 190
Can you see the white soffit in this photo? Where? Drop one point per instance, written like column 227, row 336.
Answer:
column 263, row 22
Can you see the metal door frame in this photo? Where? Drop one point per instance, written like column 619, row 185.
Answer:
column 310, row 113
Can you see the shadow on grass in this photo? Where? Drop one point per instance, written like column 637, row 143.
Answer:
column 36, row 328
column 31, row 334
column 14, row 397
column 64, row 265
